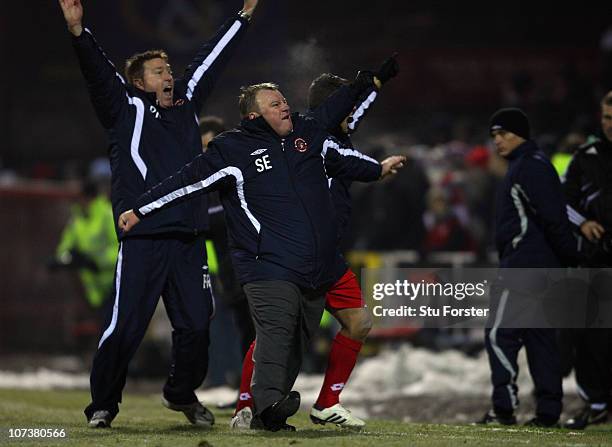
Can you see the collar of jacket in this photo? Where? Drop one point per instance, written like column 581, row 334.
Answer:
column 150, row 96
column 260, row 125
column 524, row 149
column 603, row 141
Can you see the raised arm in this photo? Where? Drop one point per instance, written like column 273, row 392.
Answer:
column 106, row 87
column 388, row 70
column 73, row 14
column 341, row 103
column 357, row 96
column 206, row 67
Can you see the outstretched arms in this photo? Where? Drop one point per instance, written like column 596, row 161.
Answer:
column 208, row 171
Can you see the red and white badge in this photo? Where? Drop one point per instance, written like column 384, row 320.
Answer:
column 301, row 145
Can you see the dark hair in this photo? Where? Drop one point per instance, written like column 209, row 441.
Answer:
column 607, row 100
column 212, row 124
column 134, row 66
column 247, row 100
column 322, row 87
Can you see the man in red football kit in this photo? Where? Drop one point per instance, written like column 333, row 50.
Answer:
column 343, row 299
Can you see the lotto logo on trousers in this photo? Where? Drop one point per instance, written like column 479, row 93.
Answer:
column 337, row 386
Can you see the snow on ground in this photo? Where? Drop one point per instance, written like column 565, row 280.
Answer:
column 43, row 379
column 406, row 372
column 406, row 383
column 402, row 372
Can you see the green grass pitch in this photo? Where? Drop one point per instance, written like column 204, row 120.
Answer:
column 144, row 422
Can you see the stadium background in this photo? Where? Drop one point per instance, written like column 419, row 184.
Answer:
column 459, row 62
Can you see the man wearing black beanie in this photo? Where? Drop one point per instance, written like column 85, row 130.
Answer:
column 531, row 231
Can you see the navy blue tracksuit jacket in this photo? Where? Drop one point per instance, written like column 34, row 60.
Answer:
column 275, row 195
column 532, row 231
column 149, row 143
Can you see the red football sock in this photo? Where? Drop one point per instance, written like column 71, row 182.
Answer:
column 342, row 359
column 245, row 399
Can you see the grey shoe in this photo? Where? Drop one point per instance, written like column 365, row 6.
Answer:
column 196, row 413
column 493, row 418
column 100, row 419
column 242, row 420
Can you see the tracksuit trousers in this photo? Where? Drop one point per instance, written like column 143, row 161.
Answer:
column 593, row 364
column 171, row 266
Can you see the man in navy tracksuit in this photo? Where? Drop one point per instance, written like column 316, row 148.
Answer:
column 152, row 125
column 272, row 172
column 532, row 231
column 588, row 190
column 343, row 299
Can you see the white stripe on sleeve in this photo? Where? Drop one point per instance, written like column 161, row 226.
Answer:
column 136, row 134
column 365, row 105
column 186, row 190
column 210, row 59
column 346, row 152
column 574, row 216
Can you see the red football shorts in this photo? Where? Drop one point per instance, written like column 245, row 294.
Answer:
column 345, row 293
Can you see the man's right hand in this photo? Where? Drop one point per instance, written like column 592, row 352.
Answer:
column 73, row 14
column 592, row 230
column 127, row 220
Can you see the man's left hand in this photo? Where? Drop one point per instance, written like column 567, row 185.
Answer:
column 389, row 69
column 391, row 165
column 249, row 6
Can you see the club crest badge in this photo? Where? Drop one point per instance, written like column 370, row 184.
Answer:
column 301, row 145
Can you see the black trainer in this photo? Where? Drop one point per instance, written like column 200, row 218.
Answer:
column 543, row 423
column 493, row 418
column 586, row 416
column 100, row 419
column 274, row 418
column 257, row 424
column 196, row 413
